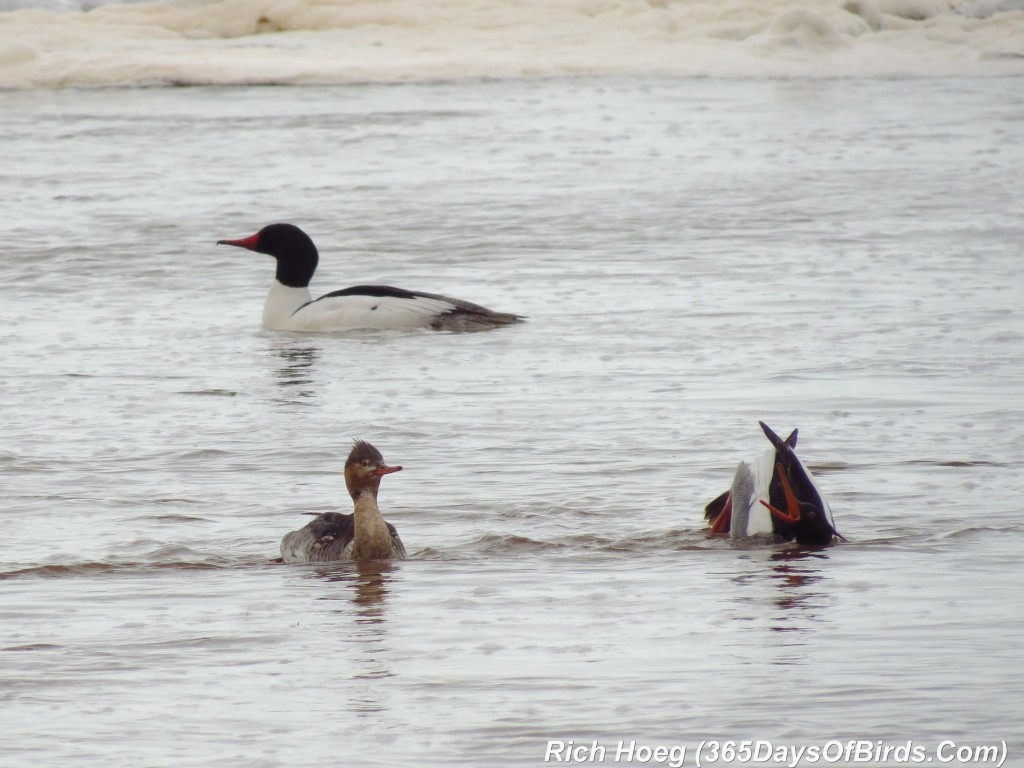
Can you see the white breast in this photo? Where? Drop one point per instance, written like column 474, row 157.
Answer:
column 281, row 304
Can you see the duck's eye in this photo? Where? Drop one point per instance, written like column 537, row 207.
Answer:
column 365, row 462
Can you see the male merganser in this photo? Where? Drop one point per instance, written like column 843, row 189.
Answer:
column 290, row 306
column 363, row 535
column 774, row 494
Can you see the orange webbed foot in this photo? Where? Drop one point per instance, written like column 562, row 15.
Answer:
column 792, row 513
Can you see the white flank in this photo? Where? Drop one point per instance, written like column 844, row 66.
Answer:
column 289, row 309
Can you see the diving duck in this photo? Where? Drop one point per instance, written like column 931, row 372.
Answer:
column 774, row 494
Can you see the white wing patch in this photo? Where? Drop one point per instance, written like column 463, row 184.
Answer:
column 749, row 486
column 742, row 494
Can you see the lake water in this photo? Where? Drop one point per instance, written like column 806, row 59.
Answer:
column 694, row 254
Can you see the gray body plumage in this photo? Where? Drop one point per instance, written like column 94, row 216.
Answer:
column 327, row 538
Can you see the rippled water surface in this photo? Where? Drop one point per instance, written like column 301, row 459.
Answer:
column 694, row 255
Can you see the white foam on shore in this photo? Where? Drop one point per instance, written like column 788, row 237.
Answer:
column 315, row 41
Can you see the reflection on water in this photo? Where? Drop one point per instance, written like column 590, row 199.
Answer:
column 787, row 591
column 801, row 600
column 370, row 583
column 294, row 373
column 370, row 590
column 369, row 580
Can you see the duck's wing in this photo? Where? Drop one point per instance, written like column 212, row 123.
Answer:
column 396, row 542
column 324, row 539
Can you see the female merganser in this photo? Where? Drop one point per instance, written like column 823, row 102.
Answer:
column 363, row 535
column 774, row 494
column 290, row 306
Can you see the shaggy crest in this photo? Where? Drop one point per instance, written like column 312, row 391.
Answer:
column 363, row 450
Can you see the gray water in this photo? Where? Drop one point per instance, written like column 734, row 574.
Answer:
column 841, row 256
